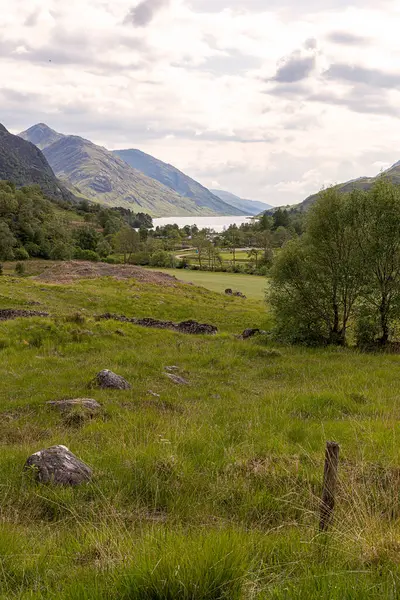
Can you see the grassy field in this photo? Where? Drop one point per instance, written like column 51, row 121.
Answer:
column 209, row 491
column 252, row 286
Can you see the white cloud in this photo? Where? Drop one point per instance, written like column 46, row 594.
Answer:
column 271, row 103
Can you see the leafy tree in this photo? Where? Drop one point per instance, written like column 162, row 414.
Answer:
column 86, row 238
column 7, row 242
column 376, row 224
column 317, row 279
column 280, row 218
column 127, row 241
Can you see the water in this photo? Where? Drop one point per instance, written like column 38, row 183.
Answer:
column 216, row 223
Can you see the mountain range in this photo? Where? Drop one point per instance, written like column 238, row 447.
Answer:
column 24, row 164
column 250, row 207
column 127, row 178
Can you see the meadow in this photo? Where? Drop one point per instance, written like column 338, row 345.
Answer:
column 204, row 491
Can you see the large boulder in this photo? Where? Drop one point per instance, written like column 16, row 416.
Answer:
column 108, row 380
column 88, row 404
column 59, row 466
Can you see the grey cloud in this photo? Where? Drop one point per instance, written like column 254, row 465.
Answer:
column 32, row 20
column 310, row 44
column 232, row 63
column 295, row 68
column 363, row 75
column 347, row 39
column 360, row 100
column 288, row 89
column 142, row 14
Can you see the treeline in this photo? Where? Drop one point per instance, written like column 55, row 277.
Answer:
column 341, row 278
column 32, row 226
column 259, row 237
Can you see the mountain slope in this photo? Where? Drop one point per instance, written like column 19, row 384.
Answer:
column 361, row 183
column 249, row 207
column 174, row 179
column 24, row 164
column 103, row 177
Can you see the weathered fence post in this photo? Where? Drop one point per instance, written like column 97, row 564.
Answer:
column 329, row 488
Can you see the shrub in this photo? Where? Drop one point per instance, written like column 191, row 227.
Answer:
column 161, row 258
column 61, row 251
column 1, row 269
column 20, row 268
column 86, row 255
column 21, row 254
column 113, row 260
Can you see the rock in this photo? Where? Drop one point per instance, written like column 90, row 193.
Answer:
column 177, row 379
column 190, row 327
column 7, row 314
column 248, row 333
column 58, row 465
column 171, row 369
column 153, row 394
column 108, row 380
column 120, row 332
column 229, row 292
column 92, row 406
column 239, row 295
column 195, row 328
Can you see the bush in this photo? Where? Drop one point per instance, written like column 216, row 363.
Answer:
column 140, row 258
column 1, row 269
column 20, row 268
column 86, row 255
column 112, row 260
column 61, row 251
column 161, row 258
column 184, row 263
column 21, row 254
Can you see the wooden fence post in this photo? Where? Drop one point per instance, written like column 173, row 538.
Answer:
column 329, row 487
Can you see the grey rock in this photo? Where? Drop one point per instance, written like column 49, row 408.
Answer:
column 248, row 333
column 92, row 406
column 177, row 379
column 228, row 292
column 172, row 368
column 108, row 380
column 58, row 465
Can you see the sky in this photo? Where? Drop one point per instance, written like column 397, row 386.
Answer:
column 267, row 99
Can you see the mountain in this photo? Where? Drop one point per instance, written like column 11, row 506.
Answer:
column 174, row 179
column 101, row 176
column 249, row 207
column 24, row 164
column 361, row 183
column 41, row 135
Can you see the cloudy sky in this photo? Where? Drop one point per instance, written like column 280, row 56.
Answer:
column 268, row 99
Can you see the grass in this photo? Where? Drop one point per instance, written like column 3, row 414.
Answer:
column 252, row 286
column 209, row 491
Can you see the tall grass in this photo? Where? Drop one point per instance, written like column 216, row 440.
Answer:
column 206, row 491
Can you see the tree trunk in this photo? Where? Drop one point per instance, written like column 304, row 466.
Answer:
column 383, row 311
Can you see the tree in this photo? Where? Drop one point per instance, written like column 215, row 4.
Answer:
column 376, row 223
column 233, row 239
column 127, row 241
column 7, row 242
column 200, row 242
column 280, row 218
column 87, row 238
column 317, row 279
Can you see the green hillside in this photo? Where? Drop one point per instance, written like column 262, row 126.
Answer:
column 174, row 179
